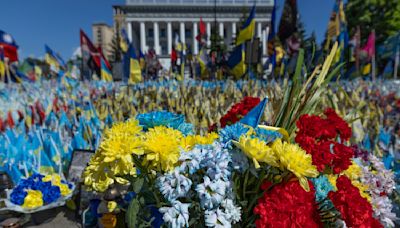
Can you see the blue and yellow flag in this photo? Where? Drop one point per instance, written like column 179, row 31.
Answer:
column 254, row 116
column 142, row 60
column 132, row 72
column 236, row 62
column 105, row 72
column 247, row 31
column 203, row 62
column 124, row 43
column 2, row 66
column 53, row 59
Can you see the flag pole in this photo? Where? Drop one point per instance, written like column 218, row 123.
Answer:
column 396, row 60
column 373, row 60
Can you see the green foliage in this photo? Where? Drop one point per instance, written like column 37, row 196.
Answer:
column 381, row 15
column 303, row 94
column 131, row 214
column 116, row 52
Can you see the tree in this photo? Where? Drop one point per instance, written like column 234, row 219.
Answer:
column 301, row 32
column 116, row 52
column 381, row 15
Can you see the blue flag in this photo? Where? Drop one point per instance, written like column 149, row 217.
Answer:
column 254, row 116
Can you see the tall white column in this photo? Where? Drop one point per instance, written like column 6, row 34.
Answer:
column 129, row 29
column 259, row 30
column 169, row 34
column 143, row 37
column 264, row 41
column 221, row 30
column 182, row 28
column 195, row 42
column 234, row 29
column 208, row 33
column 156, row 38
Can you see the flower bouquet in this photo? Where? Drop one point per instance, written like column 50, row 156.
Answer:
column 301, row 172
column 39, row 192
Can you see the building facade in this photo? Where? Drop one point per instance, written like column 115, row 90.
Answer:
column 102, row 37
column 156, row 24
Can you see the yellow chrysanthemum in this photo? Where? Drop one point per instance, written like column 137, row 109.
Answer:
column 296, row 160
column 162, row 147
column 354, row 173
column 99, row 175
column 121, row 141
column 33, row 199
column 114, row 158
column 190, row 141
column 209, row 138
column 257, row 150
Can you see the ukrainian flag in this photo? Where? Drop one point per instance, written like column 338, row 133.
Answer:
column 105, row 72
column 203, row 61
column 132, row 71
column 53, row 59
column 142, row 60
column 124, row 43
column 236, row 62
column 2, row 66
column 247, row 31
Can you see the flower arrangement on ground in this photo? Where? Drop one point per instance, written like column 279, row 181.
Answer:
column 39, row 190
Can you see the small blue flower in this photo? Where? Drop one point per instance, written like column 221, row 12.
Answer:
column 322, row 188
column 232, row 132
column 217, row 163
column 216, row 218
column 211, row 193
column 232, row 212
column 18, row 195
column 51, row 194
column 190, row 161
column 173, row 185
column 164, row 118
column 177, row 215
column 27, row 183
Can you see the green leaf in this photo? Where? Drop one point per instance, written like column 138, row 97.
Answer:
column 132, row 214
column 138, row 184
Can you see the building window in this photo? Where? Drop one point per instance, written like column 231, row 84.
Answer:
column 162, row 33
column 188, row 33
column 150, row 33
column 176, row 32
column 164, row 50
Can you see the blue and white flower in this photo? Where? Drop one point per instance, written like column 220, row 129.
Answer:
column 173, row 185
column 164, row 118
column 177, row 215
column 232, row 212
column 216, row 218
column 190, row 161
column 232, row 132
column 211, row 193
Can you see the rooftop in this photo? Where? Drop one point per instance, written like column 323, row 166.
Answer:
column 200, row 2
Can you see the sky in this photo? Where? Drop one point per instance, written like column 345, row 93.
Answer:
column 56, row 23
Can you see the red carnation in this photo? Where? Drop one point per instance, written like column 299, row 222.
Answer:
column 319, row 137
column 354, row 209
column 238, row 111
column 288, row 205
